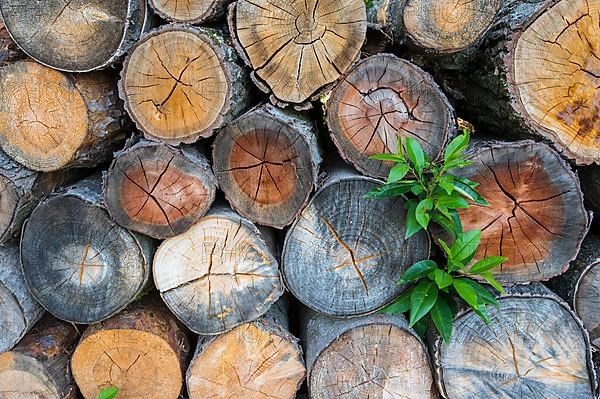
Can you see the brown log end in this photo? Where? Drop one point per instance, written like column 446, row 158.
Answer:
column 188, row 11
column 384, row 98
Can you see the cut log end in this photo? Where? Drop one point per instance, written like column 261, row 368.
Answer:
column 586, row 301
column 384, row 98
column 187, row 11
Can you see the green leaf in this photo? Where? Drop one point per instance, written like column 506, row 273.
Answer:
column 418, row 270
column 468, row 182
column 482, row 312
column 469, row 193
column 422, row 299
column 443, row 318
column 422, row 212
column 456, row 146
column 446, row 182
column 415, row 154
column 400, row 305
column 486, row 264
column 457, row 163
column 398, row 172
column 412, row 226
column 416, row 189
column 388, row 157
column 466, row 292
column 421, row 327
column 492, row 281
column 452, row 201
column 445, row 247
column 466, row 245
column 457, row 222
column 446, row 223
column 390, row 190
column 484, row 296
column 108, row 393
column 442, row 279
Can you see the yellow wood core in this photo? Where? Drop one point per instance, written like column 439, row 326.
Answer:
column 184, row 10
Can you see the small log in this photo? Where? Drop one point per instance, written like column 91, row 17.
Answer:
column 297, row 49
column 375, row 356
column 180, row 83
column 190, row 11
column 535, row 347
column 158, row 190
column 50, row 120
column 142, row 351
column 381, row 99
column 38, row 367
column 78, row 263
column 75, row 36
column 345, row 253
column 256, row 360
column 267, row 163
column 219, row 274
column 536, row 216
column 19, row 311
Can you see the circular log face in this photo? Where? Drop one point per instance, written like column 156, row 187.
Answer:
column 140, row 364
column 76, row 35
column 12, row 321
column 299, row 47
column 532, row 348
column 560, row 95
column 383, row 98
column 217, row 275
column 79, row 264
column 191, row 11
column 22, row 376
column 536, row 216
column 448, row 25
column 376, row 361
column 249, row 362
column 345, row 253
column 587, row 301
column 43, row 116
column 174, row 84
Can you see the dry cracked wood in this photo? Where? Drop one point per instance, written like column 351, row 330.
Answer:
column 267, row 163
column 189, row 11
column 182, row 82
column 381, row 99
column 38, row 367
column 51, row 120
column 298, row 48
column 78, row 263
column 75, row 35
column 344, row 253
column 142, row 351
column 534, row 348
column 158, row 190
column 375, row 357
column 219, row 274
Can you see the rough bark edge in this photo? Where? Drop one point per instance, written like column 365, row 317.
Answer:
column 216, row 10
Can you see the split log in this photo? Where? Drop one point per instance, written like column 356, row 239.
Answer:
column 38, row 367
column 345, row 253
column 375, row 356
column 158, row 190
column 256, row 360
column 190, row 11
column 297, row 50
column 219, row 274
column 75, row 36
column 267, row 163
column 19, row 311
column 142, row 351
column 78, row 263
column 382, row 98
column 536, row 216
column 182, row 82
column 51, row 120
column 535, row 347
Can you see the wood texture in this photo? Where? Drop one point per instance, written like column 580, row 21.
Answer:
column 534, row 347
column 219, row 274
column 381, row 99
column 267, row 163
column 78, row 35
column 297, row 49
column 536, row 216
column 9, row 51
column 142, row 351
column 189, row 11
column 376, row 357
column 39, row 366
column 158, row 190
column 78, row 263
column 344, row 253
column 181, row 82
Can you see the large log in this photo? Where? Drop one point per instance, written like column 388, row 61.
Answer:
column 219, row 274
column 296, row 50
column 75, row 36
column 267, row 163
column 38, row 367
column 142, row 351
column 180, row 83
column 376, row 356
column 256, row 360
column 535, row 347
column 190, row 11
column 536, row 216
column 381, row 99
column 19, row 311
column 51, row 120
column 78, row 263
column 158, row 190
column 345, row 253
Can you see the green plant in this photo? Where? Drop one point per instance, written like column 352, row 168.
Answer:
column 108, row 393
column 436, row 195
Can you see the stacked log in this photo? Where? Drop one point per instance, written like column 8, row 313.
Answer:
column 9, row 51
column 189, row 11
